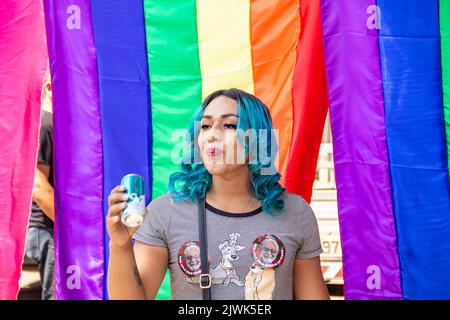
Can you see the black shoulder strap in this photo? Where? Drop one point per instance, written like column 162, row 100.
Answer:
column 205, row 278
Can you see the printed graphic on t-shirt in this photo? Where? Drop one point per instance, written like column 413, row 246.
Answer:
column 225, row 273
column 259, row 283
column 189, row 259
column 268, row 253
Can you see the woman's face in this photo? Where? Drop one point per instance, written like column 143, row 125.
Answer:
column 219, row 146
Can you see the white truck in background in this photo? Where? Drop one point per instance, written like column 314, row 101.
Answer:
column 324, row 205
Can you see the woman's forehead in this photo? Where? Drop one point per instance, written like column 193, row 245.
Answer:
column 221, row 105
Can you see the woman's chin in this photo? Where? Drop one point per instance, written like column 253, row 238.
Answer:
column 219, row 168
column 216, row 168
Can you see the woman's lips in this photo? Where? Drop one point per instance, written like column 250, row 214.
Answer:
column 213, row 152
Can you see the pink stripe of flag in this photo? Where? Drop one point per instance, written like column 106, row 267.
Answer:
column 23, row 61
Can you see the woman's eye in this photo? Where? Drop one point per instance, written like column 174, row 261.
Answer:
column 230, row 126
column 205, row 126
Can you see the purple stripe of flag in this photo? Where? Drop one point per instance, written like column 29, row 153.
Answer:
column 367, row 226
column 79, row 243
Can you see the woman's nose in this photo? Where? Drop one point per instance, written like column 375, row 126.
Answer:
column 212, row 138
column 214, row 135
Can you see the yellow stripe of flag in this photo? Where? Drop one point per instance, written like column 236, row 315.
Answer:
column 224, row 45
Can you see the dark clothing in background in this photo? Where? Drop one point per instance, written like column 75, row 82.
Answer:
column 40, row 245
column 38, row 218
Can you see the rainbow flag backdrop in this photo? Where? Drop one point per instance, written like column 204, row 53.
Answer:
column 128, row 74
column 120, row 113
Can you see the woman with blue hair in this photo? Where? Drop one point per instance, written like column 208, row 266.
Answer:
column 259, row 241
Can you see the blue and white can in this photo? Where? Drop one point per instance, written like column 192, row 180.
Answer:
column 133, row 215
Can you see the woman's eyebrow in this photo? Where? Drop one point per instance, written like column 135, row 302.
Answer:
column 225, row 115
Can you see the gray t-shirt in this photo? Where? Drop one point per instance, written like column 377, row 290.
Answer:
column 252, row 254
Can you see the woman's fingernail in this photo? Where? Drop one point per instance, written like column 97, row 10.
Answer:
column 116, row 219
column 125, row 197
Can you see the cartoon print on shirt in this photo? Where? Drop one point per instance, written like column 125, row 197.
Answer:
column 259, row 283
column 225, row 273
column 268, row 252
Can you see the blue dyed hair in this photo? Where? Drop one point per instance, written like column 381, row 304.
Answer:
column 193, row 180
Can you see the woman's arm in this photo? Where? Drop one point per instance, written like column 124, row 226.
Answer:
column 133, row 273
column 152, row 263
column 136, row 274
column 308, row 280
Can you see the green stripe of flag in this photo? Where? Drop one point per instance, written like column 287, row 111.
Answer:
column 444, row 12
column 175, row 84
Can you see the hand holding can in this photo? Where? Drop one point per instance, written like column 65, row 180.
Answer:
column 133, row 215
column 119, row 233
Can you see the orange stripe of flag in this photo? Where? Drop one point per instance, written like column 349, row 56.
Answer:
column 275, row 29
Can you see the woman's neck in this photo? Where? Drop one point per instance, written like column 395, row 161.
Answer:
column 233, row 192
